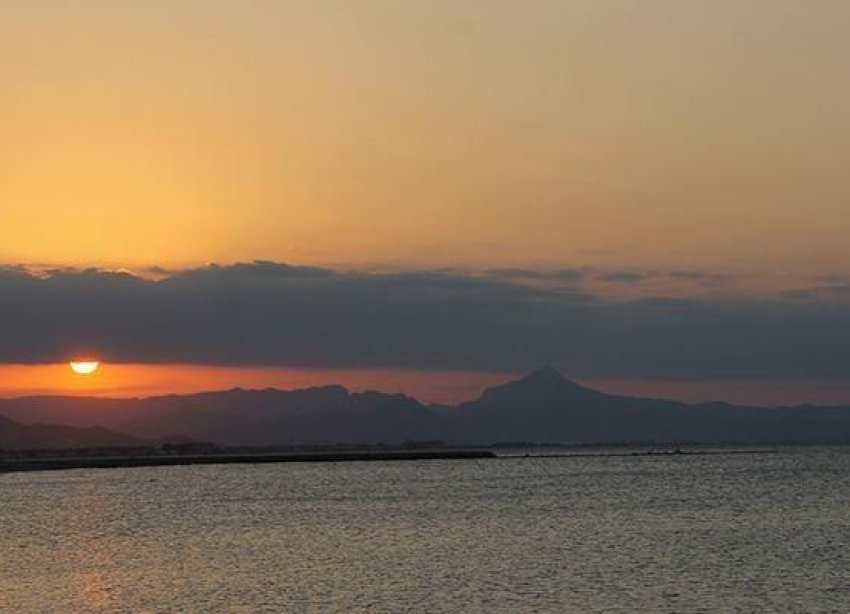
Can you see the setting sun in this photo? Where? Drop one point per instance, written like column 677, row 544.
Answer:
column 86, row 367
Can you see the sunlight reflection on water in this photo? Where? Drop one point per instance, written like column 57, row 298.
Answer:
column 758, row 532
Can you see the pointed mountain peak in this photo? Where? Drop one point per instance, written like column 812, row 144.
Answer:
column 546, row 378
column 545, row 381
column 546, row 373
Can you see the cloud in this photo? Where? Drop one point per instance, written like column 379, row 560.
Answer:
column 267, row 313
column 569, row 276
column 800, row 295
column 699, row 276
column 617, row 277
column 629, row 277
column 824, row 293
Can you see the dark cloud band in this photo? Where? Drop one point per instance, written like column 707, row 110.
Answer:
column 273, row 314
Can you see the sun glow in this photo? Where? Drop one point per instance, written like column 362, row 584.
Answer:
column 84, row 367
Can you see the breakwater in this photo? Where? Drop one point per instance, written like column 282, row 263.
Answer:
column 54, row 464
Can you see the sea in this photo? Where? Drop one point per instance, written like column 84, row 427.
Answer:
column 766, row 532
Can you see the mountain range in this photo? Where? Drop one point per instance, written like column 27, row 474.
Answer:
column 542, row 407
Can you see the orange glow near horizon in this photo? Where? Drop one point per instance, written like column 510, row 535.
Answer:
column 142, row 380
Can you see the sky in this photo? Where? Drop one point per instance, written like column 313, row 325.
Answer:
column 650, row 195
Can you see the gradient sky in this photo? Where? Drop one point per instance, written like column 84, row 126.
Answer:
column 657, row 148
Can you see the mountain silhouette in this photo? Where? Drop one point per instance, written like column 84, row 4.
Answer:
column 329, row 414
column 16, row 436
column 543, row 383
column 543, row 407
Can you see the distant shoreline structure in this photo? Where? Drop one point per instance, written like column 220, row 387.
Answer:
column 61, row 463
column 116, row 462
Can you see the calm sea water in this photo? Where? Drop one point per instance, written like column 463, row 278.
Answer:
column 664, row 534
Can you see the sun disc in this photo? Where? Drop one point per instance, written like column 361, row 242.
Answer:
column 84, row 367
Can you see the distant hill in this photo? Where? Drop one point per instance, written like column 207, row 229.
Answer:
column 327, row 414
column 543, row 406
column 16, row 436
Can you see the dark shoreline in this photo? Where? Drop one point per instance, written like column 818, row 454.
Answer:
column 58, row 464
column 116, row 462
column 662, row 454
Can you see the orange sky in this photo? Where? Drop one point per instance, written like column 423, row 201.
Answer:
column 137, row 380
column 128, row 380
column 659, row 135
column 466, row 133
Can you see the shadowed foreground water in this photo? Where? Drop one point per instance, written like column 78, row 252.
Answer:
column 688, row 533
